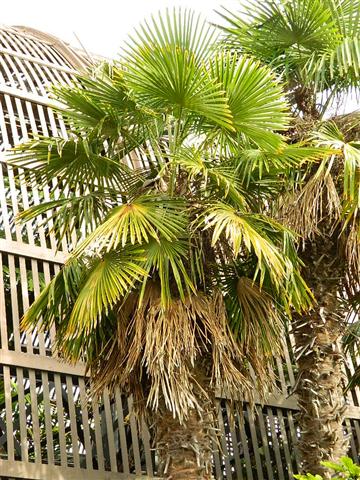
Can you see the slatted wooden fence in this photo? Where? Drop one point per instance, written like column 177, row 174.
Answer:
column 48, row 426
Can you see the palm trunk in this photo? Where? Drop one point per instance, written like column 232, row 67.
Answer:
column 321, row 362
column 184, row 450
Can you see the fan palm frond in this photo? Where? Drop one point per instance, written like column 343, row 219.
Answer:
column 165, row 67
column 251, row 232
column 136, row 222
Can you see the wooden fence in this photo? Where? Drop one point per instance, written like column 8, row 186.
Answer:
column 48, row 426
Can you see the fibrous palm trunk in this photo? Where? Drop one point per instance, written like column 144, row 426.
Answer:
column 184, row 449
column 320, row 360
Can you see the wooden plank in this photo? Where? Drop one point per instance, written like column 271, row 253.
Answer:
column 8, row 414
column 145, row 435
column 22, row 416
column 3, row 201
column 134, row 437
column 32, row 97
column 354, row 451
column 265, row 442
column 255, row 444
column 14, row 308
column 35, row 416
column 98, row 438
column 49, row 364
column 60, row 419
column 36, row 59
column 110, row 431
column 215, row 440
column 25, row 301
column 3, row 320
column 85, row 424
column 73, row 426
column 36, row 284
column 31, row 471
column 285, row 442
column 234, row 440
column 294, row 438
column 122, row 433
column 48, row 422
column 244, row 443
column 32, row 251
column 276, row 446
column 223, row 442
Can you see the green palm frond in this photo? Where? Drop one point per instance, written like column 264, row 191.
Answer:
column 80, row 164
column 167, row 261
column 254, row 316
column 329, row 135
column 109, row 279
column 211, row 173
column 255, row 97
column 56, row 299
column 312, row 43
column 72, row 214
column 306, row 24
column 166, row 71
column 102, row 106
column 137, row 221
column 254, row 163
column 249, row 233
column 169, row 174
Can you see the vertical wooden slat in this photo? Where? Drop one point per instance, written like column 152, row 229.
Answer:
column 122, row 433
column 3, row 202
column 276, row 446
column 244, row 443
column 3, row 322
column 265, row 442
column 47, row 413
column 234, row 440
column 134, row 437
column 254, row 441
column 285, row 442
column 216, row 448
column 22, row 415
column 110, row 431
column 224, row 443
column 145, row 435
column 73, row 426
column 35, row 416
column 14, row 302
column 294, row 437
column 9, row 414
column 60, row 419
column 354, row 452
column 85, row 424
column 98, row 438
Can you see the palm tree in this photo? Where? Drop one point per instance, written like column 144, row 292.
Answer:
column 178, row 283
column 315, row 46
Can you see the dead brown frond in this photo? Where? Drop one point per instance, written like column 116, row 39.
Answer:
column 261, row 331
column 162, row 358
column 304, row 209
column 352, row 251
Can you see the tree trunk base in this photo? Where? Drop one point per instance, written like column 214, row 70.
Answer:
column 184, row 449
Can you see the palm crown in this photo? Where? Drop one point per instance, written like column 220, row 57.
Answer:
column 171, row 159
column 314, row 44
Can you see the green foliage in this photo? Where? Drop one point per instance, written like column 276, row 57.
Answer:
column 314, row 44
column 172, row 158
column 346, row 467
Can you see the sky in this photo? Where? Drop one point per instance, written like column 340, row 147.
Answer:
column 101, row 25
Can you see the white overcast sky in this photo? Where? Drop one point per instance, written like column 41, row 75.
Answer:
column 101, row 25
